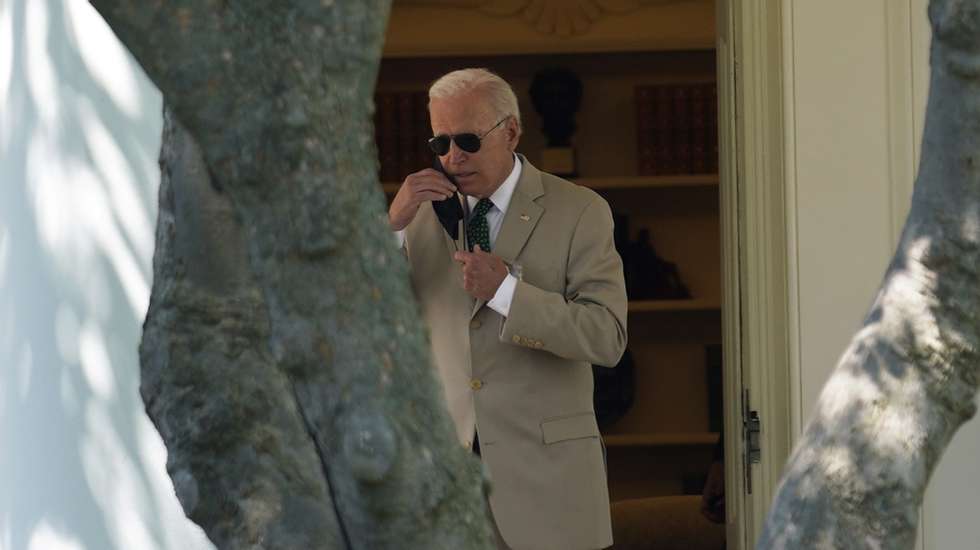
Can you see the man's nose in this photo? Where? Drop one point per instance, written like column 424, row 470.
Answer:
column 455, row 154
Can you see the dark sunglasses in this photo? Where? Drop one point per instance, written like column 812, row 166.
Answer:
column 468, row 142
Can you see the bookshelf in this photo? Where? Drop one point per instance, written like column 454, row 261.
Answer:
column 650, row 182
column 691, row 439
column 663, row 306
column 662, row 445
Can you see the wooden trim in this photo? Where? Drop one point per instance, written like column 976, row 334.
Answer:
column 792, row 237
column 756, row 181
column 651, row 306
column 699, row 439
column 736, row 536
column 652, row 182
column 901, row 114
column 441, row 29
column 567, row 18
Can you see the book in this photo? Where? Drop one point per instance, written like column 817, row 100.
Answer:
column 645, row 128
column 699, row 130
column 676, row 129
column 712, row 115
column 682, row 130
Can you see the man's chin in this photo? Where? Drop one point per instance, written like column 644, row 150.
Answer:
column 467, row 187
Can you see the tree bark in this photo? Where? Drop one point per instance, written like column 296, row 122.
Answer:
column 908, row 379
column 242, row 462
column 284, row 362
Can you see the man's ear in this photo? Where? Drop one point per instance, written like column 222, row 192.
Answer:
column 513, row 133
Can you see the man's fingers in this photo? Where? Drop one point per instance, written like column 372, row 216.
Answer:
column 429, row 172
column 431, row 180
column 441, row 192
column 425, row 196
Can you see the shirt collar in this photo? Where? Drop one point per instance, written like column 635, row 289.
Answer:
column 501, row 197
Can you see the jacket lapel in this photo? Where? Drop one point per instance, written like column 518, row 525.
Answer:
column 521, row 218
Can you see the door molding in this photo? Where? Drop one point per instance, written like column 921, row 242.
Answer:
column 754, row 115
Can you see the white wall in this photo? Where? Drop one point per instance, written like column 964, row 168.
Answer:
column 81, row 467
column 842, row 205
column 856, row 97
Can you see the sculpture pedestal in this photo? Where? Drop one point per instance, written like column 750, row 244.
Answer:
column 559, row 161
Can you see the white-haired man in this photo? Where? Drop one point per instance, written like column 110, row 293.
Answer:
column 517, row 321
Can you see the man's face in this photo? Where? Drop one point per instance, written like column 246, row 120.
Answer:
column 477, row 174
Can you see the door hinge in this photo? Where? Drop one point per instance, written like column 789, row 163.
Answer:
column 751, row 442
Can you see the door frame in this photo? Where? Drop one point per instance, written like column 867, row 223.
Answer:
column 757, row 294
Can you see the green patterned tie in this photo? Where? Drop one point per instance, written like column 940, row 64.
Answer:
column 478, row 230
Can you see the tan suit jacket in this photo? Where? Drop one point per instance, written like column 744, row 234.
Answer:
column 525, row 381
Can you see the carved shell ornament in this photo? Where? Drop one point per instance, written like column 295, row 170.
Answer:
column 560, row 17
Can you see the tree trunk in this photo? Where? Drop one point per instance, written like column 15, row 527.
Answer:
column 241, row 459
column 284, row 362
column 908, row 379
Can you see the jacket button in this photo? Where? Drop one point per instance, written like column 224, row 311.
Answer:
column 476, row 384
column 475, row 324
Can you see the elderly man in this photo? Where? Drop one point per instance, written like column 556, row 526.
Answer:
column 517, row 313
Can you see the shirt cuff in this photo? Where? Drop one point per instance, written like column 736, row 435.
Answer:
column 505, row 294
column 400, row 238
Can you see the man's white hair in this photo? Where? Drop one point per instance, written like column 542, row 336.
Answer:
column 497, row 91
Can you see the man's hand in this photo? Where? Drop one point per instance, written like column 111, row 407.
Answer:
column 482, row 272
column 424, row 185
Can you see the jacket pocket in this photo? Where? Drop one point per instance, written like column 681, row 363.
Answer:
column 564, row 428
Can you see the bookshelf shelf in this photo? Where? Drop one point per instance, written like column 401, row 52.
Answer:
column 624, row 182
column 696, row 439
column 650, row 182
column 650, row 306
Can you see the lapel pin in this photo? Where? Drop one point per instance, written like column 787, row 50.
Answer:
column 525, row 217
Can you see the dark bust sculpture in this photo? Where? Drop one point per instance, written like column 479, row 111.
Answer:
column 556, row 94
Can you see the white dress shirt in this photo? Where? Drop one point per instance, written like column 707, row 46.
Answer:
column 495, row 216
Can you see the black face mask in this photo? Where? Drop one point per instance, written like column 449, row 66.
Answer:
column 449, row 211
